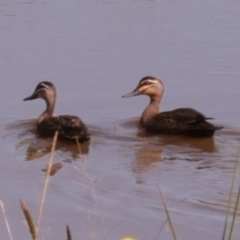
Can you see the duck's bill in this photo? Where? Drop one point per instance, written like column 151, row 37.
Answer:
column 132, row 94
column 33, row 96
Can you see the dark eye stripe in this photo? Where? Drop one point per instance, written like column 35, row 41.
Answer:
column 44, row 85
column 145, row 83
column 40, row 87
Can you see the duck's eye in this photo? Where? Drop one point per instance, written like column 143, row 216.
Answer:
column 39, row 88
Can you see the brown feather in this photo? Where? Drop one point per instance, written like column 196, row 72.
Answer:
column 69, row 127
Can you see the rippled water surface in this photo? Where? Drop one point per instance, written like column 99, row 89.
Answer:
column 94, row 52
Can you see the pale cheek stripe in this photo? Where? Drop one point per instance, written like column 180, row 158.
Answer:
column 46, row 86
column 141, row 89
column 148, row 82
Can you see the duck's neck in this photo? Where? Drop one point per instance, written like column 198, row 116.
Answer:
column 49, row 112
column 150, row 111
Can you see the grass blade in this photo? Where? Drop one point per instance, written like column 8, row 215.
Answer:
column 6, row 221
column 46, row 180
column 69, row 236
column 168, row 215
column 231, row 194
column 234, row 215
column 29, row 220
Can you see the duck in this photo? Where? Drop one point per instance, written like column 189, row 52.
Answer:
column 181, row 121
column 69, row 127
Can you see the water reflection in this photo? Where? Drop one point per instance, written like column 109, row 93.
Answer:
column 156, row 150
column 192, row 144
column 38, row 147
column 132, row 126
column 147, row 150
column 147, row 155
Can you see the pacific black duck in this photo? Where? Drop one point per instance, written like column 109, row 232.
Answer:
column 68, row 127
column 181, row 121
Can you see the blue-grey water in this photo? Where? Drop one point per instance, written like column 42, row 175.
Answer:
column 94, row 52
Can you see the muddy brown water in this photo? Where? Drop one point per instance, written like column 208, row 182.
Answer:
column 94, row 52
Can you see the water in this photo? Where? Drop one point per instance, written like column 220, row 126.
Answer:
column 94, row 52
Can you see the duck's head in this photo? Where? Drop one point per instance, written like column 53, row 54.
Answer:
column 45, row 90
column 150, row 86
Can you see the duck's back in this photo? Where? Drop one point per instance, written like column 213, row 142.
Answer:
column 68, row 127
column 182, row 121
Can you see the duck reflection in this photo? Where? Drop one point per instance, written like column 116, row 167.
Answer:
column 150, row 150
column 206, row 144
column 147, row 155
column 176, row 145
column 195, row 144
column 39, row 147
column 150, row 154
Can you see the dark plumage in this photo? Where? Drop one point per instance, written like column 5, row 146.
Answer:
column 68, row 127
column 181, row 121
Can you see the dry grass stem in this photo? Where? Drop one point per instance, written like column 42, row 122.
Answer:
column 29, row 220
column 231, row 194
column 79, row 147
column 6, row 221
column 46, row 183
column 91, row 186
column 234, row 215
column 69, row 236
column 165, row 222
column 168, row 215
